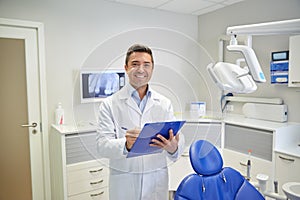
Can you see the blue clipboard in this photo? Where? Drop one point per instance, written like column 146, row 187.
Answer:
column 149, row 131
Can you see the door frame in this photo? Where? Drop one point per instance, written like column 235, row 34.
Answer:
column 39, row 27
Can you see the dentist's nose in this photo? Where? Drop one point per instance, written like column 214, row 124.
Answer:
column 140, row 68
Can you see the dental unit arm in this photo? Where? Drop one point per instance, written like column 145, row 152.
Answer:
column 228, row 76
column 233, row 78
column 251, row 60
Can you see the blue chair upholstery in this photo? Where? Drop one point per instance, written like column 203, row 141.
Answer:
column 212, row 181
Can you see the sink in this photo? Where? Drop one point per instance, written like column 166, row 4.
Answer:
column 292, row 190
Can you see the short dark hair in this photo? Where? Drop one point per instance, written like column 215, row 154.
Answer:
column 138, row 48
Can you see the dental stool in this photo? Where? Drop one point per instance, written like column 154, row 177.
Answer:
column 212, row 181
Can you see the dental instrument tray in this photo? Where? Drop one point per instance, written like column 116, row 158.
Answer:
column 149, row 132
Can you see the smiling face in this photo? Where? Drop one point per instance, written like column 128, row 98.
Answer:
column 139, row 69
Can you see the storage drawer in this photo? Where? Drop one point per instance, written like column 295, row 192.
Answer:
column 88, row 164
column 101, row 194
column 82, row 186
column 81, row 147
column 87, row 173
column 241, row 139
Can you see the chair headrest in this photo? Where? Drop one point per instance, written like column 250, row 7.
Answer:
column 205, row 158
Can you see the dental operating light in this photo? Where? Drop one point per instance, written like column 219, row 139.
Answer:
column 232, row 77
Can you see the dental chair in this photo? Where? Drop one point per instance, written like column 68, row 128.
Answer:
column 212, row 181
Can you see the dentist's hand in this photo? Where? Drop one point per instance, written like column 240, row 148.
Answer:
column 170, row 145
column 131, row 136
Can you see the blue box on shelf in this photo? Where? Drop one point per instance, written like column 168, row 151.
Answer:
column 279, row 72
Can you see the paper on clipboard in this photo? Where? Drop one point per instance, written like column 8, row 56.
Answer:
column 149, row 131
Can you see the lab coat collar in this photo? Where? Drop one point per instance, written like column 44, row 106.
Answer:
column 126, row 92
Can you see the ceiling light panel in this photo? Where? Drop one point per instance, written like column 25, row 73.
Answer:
column 229, row 2
column 186, row 6
column 216, row 1
column 144, row 3
column 208, row 9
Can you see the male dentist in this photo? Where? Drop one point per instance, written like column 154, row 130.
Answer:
column 121, row 116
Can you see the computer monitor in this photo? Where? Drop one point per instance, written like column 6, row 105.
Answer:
column 98, row 84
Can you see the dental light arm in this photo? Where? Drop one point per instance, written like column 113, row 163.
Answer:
column 269, row 28
column 232, row 77
column 251, row 60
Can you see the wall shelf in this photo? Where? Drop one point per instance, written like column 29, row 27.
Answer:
column 277, row 101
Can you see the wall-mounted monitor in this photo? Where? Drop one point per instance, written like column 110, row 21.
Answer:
column 96, row 85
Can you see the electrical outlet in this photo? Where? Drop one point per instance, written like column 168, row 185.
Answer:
column 230, row 108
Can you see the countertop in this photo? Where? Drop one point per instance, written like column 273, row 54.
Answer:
column 286, row 140
column 67, row 129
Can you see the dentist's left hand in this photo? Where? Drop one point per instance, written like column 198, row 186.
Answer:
column 131, row 136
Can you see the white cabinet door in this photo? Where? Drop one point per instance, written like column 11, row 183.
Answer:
column 287, row 169
column 294, row 61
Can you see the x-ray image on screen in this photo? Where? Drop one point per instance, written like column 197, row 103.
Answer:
column 96, row 85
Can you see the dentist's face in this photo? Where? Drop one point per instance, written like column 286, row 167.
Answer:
column 139, row 69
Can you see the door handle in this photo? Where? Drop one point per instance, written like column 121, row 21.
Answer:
column 288, row 159
column 33, row 125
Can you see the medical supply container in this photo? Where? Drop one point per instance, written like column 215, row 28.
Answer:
column 59, row 115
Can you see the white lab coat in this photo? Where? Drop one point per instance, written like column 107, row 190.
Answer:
column 137, row 178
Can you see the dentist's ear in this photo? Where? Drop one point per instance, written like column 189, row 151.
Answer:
column 127, row 69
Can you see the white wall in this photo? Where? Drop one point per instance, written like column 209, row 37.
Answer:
column 176, row 58
column 93, row 33
column 213, row 25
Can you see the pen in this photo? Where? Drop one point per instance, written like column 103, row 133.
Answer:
column 124, row 128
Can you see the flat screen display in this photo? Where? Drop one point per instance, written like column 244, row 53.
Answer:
column 96, row 85
column 282, row 55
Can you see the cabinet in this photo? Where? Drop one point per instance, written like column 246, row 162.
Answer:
column 267, row 140
column 88, row 179
column 287, row 169
column 238, row 140
column 193, row 131
column 294, row 61
column 287, row 155
column 76, row 172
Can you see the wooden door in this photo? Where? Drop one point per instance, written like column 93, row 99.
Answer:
column 22, row 165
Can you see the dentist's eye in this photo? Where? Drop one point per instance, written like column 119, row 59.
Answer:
column 147, row 65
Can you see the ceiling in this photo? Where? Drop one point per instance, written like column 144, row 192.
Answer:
column 192, row 7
